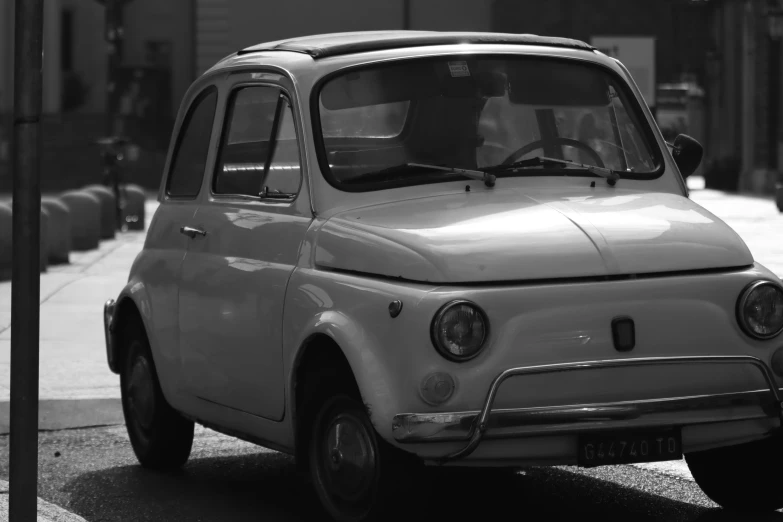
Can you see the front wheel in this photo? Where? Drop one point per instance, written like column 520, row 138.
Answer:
column 356, row 474
column 745, row 477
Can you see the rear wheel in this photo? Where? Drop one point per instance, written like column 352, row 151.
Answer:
column 161, row 438
column 744, row 477
column 356, row 474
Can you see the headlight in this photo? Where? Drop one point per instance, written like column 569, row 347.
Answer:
column 459, row 330
column 760, row 309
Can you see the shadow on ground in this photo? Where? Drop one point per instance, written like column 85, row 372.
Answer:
column 265, row 486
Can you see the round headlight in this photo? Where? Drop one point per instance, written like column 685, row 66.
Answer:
column 459, row 330
column 760, row 310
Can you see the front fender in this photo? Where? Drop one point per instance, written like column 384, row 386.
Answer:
column 364, row 353
column 382, row 351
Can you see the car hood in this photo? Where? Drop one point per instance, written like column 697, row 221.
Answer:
column 510, row 235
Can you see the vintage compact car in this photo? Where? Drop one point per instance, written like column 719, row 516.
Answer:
column 384, row 250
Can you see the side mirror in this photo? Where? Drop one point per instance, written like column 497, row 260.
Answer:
column 687, row 154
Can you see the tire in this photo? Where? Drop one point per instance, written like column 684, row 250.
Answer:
column 745, row 477
column 161, row 438
column 375, row 486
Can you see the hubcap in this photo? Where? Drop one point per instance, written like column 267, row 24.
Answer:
column 141, row 392
column 348, row 458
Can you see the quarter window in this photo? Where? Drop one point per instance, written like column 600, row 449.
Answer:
column 260, row 152
column 190, row 155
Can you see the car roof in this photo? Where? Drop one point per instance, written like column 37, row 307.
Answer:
column 336, row 44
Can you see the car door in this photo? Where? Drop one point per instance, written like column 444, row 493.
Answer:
column 244, row 246
column 164, row 249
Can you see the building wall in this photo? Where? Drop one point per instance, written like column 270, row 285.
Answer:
column 740, row 147
column 451, row 15
column 70, row 156
column 89, row 51
column 224, row 26
column 145, row 20
column 680, row 29
column 164, row 21
column 212, row 25
column 723, row 85
column 51, row 56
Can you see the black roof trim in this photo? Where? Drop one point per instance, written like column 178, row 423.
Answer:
column 324, row 46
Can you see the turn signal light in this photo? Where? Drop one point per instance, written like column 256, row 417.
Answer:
column 437, row 388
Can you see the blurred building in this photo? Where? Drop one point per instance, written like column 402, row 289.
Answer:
column 710, row 68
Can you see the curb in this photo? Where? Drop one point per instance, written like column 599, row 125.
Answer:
column 47, row 512
column 63, row 414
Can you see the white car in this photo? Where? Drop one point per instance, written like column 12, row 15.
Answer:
column 379, row 250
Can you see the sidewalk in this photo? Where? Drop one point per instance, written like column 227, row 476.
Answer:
column 76, row 387
column 755, row 218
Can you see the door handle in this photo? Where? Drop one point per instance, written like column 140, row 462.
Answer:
column 192, row 232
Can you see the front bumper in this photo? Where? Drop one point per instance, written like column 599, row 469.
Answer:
column 108, row 317
column 475, row 426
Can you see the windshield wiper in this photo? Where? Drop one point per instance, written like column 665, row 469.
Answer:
column 486, row 177
column 610, row 175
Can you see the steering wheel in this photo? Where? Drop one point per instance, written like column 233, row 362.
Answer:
column 539, row 144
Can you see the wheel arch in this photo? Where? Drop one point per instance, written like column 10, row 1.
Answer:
column 126, row 312
column 132, row 305
column 319, row 359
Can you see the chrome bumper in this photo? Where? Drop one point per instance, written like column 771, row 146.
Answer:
column 108, row 317
column 473, row 426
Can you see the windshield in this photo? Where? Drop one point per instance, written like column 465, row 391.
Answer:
column 474, row 112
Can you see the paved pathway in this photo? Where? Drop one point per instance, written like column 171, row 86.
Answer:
column 757, row 220
column 76, row 386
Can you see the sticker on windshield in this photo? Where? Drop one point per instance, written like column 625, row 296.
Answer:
column 459, row 69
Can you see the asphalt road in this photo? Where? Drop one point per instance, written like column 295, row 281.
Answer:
column 93, row 473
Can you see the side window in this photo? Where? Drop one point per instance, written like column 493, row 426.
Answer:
column 259, row 147
column 190, row 155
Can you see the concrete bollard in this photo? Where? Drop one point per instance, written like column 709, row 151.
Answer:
column 6, row 240
column 133, row 214
column 108, row 209
column 6, row 231
column 85, row 211
column 60, row 230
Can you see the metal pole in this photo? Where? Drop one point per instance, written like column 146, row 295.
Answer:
column 25, row 285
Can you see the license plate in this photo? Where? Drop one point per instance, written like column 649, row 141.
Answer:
column 601, row 449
